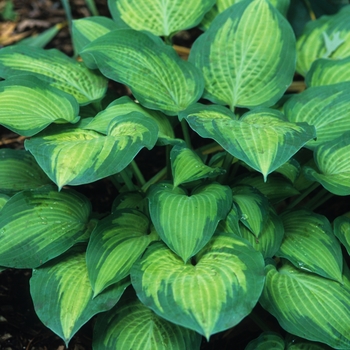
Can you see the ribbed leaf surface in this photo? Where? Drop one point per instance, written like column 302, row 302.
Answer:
column 309, row 243
column 55, row 68
column 247, row 55
column 267, row 341
column 38, row 225
column 28, row 105
column 62, row 294
column 327, row 108
column 155, row 73
column 115, row 244
column 342, row 230
column 3, row 200
column 211, row 296
column 159, row 17
column 308, row 305
column 132, row 325
column 187, row 222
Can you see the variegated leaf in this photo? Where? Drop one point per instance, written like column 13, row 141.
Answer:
column 215, row 293
column 247, row 55
column 62, row 295
column 162, row 18
column 114, row 245
column 38, row 225
column 76, row 156
column 186, row 222
column 308, row 305
column 55, row 68
column 342, row 230
column 132, row 325
column 130, row 200
column 309, row 244
column 155, row 73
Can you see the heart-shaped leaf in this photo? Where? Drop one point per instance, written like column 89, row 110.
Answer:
column 342, row 230
column 62, row 295
column 132, row 325
column 39, row 106
column 76, row 156
column 55, row 68
column 38, row 225
column 310, row 245
column 162, row 18
column 247, row 55
column 187, row 222
column 213, row 295
column 252, row 135
column 308, row 305
column 169, row 84
column 114, row 245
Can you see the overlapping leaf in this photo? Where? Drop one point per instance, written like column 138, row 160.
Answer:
column 62, row 295
column 210, row 296
column 55, row 68
column 308, row 305
column 157, row 76
column 342, row 230
column 247, row 55
column 75, row 156
column 38, row 225
column 162, row 18
column 3, row 200
column 309, row 243
column 187, row 222
column 115, row 244
column 262, row 138
column 267, row 341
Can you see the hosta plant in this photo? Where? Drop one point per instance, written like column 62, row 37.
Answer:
column 231, row 221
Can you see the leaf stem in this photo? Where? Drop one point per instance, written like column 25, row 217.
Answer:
column 302, row 196
column 161, row 174
column 137, row 173
column 321, row 197
column 186, row 133
column 226, row 165
column 128, row 182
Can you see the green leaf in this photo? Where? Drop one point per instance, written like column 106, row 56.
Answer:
column 290, row 170
column 342, row 230
column 162, row 18
column 19, row 171
column 247, row 55
column 249, row 137
column 326, row 72
column 132, row 325
column 187, row 166
column 62, row 294
column 212, row 295
column 307, row 305
column 42, row 39
column 326, row 37
column 309, row 244
column 267, row 341
column 76, row 156
column 38, row 225
column 55, row 68
column 39, row 105
column 115, row 244
column 3, row 200
column 327, row 108
column 187, row 222
column 156, row 75
column 332, row 160
column 130, row 200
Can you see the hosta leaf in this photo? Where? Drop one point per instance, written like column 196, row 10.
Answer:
column 231, row 222
column 342, row 230
column 252, row 135
column 125, row 105
column 115, row 244
column 132, row 325
column 290, row 170
column 187, row 166
column 247, row 55
column 308, row 305
column 327, row 108
column 39, row 105
column 159, row 17
column 38, row 225
column 326, row 37
column 155, row 73
column 267, row 341
column 332, row 159
column 62, row 294
column 187, row 222
column 326, row 72
column 76, row 156
column 212, row 295
column 130, row 200
column 310, row 245
column 19, row 171
column 3, row 200
column 55, row 68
